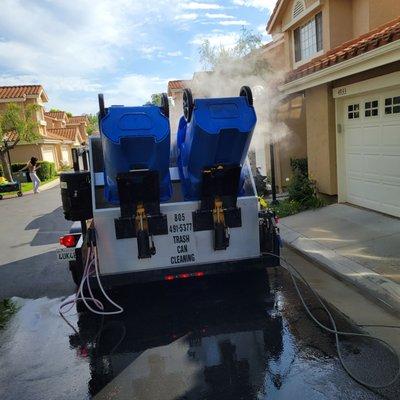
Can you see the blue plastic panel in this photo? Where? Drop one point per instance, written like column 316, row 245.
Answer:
column 135, row 138
column 219, row 133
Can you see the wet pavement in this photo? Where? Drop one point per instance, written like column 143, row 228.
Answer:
column 235, row 337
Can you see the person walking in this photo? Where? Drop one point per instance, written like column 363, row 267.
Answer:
column 32, row 167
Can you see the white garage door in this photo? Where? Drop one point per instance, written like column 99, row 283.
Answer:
column 65, row 154
column 372, row 151
column 48, row 154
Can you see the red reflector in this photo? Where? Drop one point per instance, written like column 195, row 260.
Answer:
column 183, row 276
column 68, row 240
column 198, row 274
column 169, row 277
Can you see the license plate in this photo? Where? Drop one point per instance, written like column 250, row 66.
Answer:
column 66, row 254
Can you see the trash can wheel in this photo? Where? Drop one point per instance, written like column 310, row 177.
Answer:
column 19, row 193
column 164, row 104
column 245, row 91
column 188, row 104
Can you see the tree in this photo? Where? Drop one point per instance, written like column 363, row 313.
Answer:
column 155, row 100
column 212, row 57
column 93, row 124
column 22, row 121
column 58, row 110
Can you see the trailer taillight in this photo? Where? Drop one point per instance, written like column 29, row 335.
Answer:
column 68, row 240
column 184, row 275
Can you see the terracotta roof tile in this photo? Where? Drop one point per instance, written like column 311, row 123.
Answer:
column 11, row 136
column 77, row 119
column 381, row 36
column 177, row 85
column 56, row 114
column 18, row 92
column 63, row 133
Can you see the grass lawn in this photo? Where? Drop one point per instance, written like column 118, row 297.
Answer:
column 27, row 186
column 7, row 309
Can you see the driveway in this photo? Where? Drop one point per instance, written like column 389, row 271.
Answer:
column 359, row 246
column 29, row 232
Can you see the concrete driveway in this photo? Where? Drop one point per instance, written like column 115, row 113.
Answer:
column 29, row 231
column 358, row 245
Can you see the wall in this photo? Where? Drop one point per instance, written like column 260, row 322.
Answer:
column 360, row 17
column 340, row 22
column 382, row 11
column 22, row 153
column 292, row 112
column 321, row 138
column 175, row 113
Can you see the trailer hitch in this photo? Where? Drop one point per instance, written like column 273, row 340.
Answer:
column 221, row 231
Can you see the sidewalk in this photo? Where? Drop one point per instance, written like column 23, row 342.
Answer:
column 359, row 246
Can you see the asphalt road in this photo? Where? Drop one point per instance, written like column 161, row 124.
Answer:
column 222, row 338
column 29, row 230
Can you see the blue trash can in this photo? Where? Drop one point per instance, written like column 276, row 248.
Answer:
column 219, row 131
column 135, row 138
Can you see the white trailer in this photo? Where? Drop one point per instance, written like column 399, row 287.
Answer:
column 183, row 249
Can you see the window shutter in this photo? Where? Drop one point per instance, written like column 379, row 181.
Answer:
column 297, row 45
column 318, row 30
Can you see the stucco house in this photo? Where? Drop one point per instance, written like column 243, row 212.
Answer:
column 344, row 74
column 58, row 132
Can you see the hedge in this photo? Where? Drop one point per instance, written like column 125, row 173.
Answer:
column 46, row 171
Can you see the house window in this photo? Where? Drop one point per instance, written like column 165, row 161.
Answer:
column 372, row 108
column 392, row 105
column 353, row 111
column 308, row 39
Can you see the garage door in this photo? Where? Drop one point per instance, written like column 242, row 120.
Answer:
column 65, row 154
column 372, row 151
column 48, row 154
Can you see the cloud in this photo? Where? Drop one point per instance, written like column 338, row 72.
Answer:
column 174, row 53
column 233, row 23
column 187, row 17
column 259, row 4
column 228, row 40
column 194, row 5
column 219, row 16
column 137, row 88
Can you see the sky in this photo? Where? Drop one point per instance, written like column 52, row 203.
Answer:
column 126, row 49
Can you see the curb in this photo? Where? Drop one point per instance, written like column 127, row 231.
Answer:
column 379, row 288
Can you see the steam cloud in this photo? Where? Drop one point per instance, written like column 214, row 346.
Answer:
column 227, row 79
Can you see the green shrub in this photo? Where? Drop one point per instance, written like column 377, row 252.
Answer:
column 46, row 171
column 7, row 309
column 299, row 165
column 301, row 188
column 286, row 207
